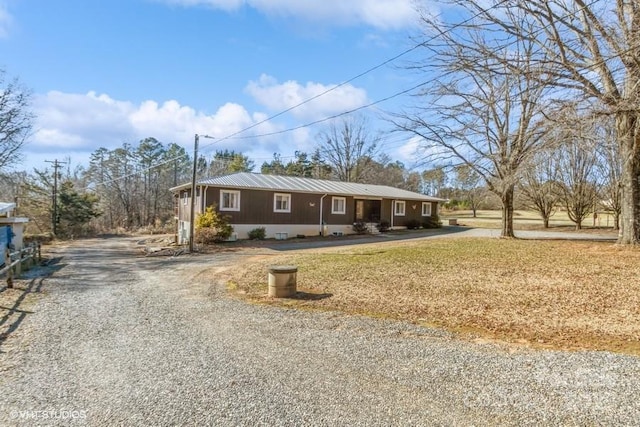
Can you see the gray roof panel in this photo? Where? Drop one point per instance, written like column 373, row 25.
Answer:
column 308, row 185
column 6, row 207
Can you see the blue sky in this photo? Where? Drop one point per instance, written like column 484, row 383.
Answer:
column 108, row 72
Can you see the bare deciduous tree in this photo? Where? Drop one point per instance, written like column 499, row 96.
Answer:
column 434, row 181
column 573, row 136
column 610, row 169
column 348, row 147
column 591, row 49
column 576, row 164
column 539, row 185
column 16, row 119
column 469, row 182
column 479, row 112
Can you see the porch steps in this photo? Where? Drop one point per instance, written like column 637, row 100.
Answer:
column 371, row 227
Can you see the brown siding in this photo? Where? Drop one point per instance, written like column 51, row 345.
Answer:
column 385, row 215
column 411, row 213
column 434, row 209
column 184, row 210
column 256, row 207
column 339, row 219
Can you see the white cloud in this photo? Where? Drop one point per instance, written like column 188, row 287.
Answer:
column 6, row 20
column 75, row 125
column 171, row 121
column 382, row 14
column 407, row 152
column 280, row 96
column 69, row 122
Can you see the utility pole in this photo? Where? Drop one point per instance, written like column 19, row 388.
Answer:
column 54, row 220
column 192, row 217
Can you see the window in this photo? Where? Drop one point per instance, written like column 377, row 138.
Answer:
column 185, row 198
column 281, row 202
column 399, row 208
column 229, row 200
column 339, row 205
column 426, row 208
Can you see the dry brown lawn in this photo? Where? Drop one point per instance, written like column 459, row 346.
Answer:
column 530, row 220
column 557, row 294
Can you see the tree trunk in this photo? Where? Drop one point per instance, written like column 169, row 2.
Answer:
column 507, row 213
column 626, row 124
column 616, row 221
column 545, row 220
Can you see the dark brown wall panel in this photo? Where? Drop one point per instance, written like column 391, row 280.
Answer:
column 256, row 207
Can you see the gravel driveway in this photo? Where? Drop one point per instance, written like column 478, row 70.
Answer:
column 119, row 339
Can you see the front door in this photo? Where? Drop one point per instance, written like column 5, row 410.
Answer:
column 368, row 210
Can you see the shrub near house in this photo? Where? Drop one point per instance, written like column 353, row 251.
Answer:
column 211, row 227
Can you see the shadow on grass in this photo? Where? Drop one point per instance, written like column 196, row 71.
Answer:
column 347, row 240
column 14, row 315
column 307, row 296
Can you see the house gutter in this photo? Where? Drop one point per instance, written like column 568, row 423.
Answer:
column 321, row 212
column 393, row 210
column 203, row 198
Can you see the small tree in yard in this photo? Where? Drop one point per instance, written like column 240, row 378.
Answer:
column 539, row 185
column 75, row 210
column 579, row 191
column 575, row 158
column 469, row 182
column 211, row 227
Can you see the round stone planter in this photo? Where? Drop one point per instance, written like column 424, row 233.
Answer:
column 282, row 281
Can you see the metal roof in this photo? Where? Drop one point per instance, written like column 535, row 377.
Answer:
column 7, row 207
column 249, row 180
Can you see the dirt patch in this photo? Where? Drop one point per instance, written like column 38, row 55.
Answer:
column 16, row 304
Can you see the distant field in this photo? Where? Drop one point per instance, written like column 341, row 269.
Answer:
column 584, row 295
column 525, row 220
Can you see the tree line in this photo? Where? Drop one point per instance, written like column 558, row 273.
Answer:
column 127, row 188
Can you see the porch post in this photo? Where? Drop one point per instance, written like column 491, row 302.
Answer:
column 393, row 211
column 321, row 214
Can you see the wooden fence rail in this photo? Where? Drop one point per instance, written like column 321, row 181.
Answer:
column 13, row 261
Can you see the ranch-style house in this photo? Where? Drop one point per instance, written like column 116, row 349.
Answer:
column 290, row 206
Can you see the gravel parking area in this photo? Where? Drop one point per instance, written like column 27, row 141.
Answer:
column 119, row 339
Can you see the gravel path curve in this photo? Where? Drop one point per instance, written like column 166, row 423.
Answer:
column 119, row 339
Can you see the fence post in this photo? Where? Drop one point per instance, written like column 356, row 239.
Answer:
column 30, row 257
column 39, row 253
column 19, row 264
column 7, row 263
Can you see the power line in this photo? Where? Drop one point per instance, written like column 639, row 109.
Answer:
column 388, row 61
column 371, row 69
column 234, row 135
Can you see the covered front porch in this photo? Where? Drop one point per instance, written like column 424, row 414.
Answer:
column 368, row 210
